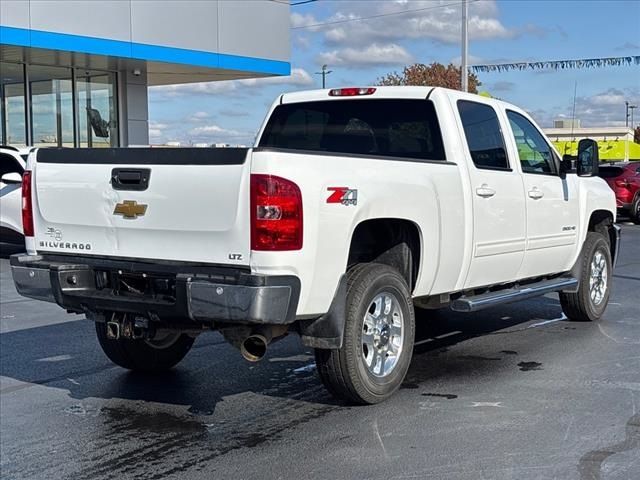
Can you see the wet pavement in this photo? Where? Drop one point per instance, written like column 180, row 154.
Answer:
column 512, row 392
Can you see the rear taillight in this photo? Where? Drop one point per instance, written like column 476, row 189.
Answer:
column 27, row 206
column 276, row 214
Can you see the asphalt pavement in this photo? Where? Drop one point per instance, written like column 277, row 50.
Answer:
column 514, row 392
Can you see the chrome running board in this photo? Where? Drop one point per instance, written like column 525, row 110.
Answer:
column 485, row 300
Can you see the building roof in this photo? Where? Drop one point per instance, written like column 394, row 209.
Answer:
column 173, row 42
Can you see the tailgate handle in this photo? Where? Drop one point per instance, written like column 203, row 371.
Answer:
column 135, row 179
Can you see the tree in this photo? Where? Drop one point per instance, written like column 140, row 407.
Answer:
column 636, row 135
column 436, row 75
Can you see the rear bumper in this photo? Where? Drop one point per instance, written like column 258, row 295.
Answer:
column 198, row 293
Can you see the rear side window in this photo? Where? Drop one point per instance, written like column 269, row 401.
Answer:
column 610, row 172
column 484, row 135
column 385, row 127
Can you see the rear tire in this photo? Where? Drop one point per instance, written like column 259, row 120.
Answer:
column 590, row 301
column 144, row 355
column 378, row 337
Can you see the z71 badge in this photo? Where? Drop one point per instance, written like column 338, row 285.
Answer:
column 343, row 195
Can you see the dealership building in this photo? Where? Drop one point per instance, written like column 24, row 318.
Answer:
column 77, row 72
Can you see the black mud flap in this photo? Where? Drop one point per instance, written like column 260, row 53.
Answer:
column 327, row 331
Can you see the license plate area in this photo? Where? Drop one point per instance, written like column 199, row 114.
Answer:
column 159, row 287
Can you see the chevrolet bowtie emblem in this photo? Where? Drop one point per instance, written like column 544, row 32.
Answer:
column 130, row 209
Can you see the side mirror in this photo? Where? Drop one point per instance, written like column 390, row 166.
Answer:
column 588, row 160
column 11, row 178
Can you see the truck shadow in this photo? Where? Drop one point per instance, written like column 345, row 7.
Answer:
column 67, row 356
column 214, row 403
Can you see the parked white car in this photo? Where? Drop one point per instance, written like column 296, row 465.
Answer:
column 12, row 163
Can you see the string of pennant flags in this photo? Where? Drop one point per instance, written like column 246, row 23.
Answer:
column 558, row 64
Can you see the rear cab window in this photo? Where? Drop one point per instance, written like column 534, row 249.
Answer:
column 484, row 135
column 402, row 128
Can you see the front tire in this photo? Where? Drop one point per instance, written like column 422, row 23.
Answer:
column 590, row 301
column 378, row 337
column 144, row 355
column 634, row 213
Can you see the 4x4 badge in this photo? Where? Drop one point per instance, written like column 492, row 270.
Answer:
column 130, row 209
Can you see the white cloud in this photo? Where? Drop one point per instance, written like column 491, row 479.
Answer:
column 606, row 108
column 208, row 129
column 424, row 19
column 215, row 133
column 299, row 77
column 198, row 117
column 298, row 20
column 390, row 54
column 227, row 112
column 157, row 130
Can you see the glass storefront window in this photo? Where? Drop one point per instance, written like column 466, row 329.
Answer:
column 51, row 106
column 58, row 116
column 98, row 125
column 14, row 130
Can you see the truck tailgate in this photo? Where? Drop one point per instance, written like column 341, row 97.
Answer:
column 186, row 204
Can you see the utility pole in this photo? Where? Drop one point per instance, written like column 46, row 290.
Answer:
column 626, row 114
column 632, row 108
column 324, row 74
column 465, row 41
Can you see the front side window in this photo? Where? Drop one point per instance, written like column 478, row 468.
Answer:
column 535, row 153
column 484, row 135
column 384, row 127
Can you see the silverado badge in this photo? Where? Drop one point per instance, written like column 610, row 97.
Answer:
column 130, row 209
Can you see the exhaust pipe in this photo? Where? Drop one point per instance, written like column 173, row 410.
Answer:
column 254, row 347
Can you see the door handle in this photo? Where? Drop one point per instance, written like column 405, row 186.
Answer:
column 484, row 191
column 535, row 194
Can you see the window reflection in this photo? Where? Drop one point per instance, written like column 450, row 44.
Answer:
column 96, row 109
column 51, row 106
column 13, row 131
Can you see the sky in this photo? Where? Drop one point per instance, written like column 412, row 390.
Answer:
column 361, row 50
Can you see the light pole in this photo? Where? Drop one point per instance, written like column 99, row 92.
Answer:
column 465, row 44
column 324, row 74
column 632, row 108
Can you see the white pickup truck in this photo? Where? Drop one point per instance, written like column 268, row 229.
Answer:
column 354, row 205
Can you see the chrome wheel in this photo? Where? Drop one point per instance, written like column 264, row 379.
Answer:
column 382, row 334
column 598, row 278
